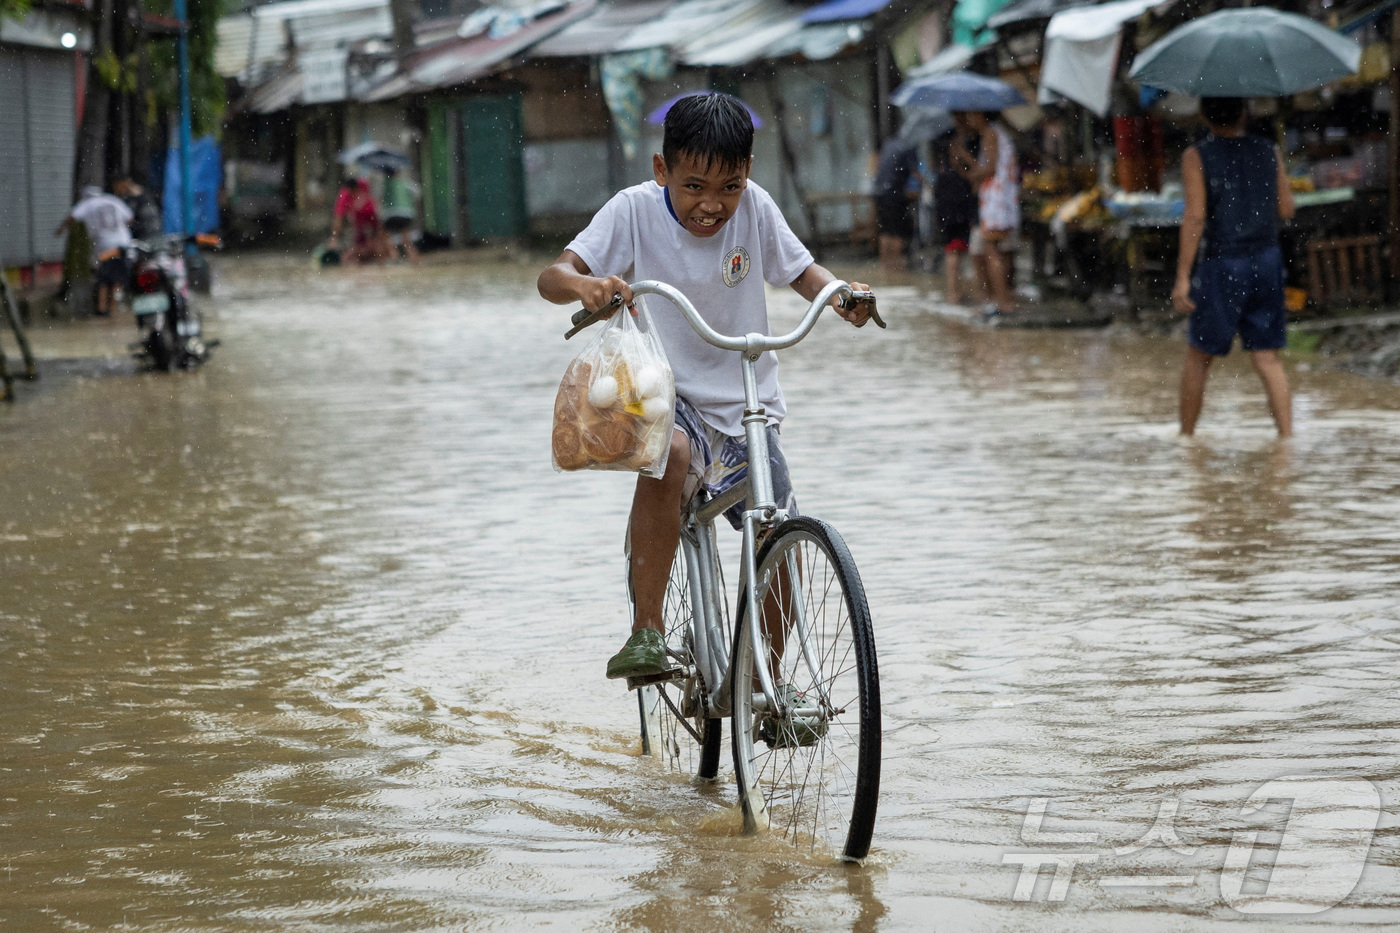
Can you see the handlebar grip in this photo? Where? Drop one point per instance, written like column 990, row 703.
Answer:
column 584, row 318
column 867, row 298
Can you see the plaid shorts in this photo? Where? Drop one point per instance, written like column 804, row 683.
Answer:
column 718, row 461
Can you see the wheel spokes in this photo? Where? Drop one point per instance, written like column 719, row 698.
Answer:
column 809, row 790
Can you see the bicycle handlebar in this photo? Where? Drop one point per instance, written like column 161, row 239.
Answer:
column 752, row 344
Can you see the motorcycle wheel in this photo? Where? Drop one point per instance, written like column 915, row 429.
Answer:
column 161, row 344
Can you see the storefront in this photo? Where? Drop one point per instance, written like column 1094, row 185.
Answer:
column 40, row 60
column 1104, row 204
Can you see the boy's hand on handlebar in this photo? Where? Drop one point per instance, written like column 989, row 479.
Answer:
column 857, row 312
column 596, row 293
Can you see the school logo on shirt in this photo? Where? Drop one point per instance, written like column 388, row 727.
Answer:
column 736, row 266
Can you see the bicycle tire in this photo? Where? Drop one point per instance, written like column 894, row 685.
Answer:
column 664, row 737
column 826, row 792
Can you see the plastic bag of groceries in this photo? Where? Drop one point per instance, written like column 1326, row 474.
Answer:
column 616, row 406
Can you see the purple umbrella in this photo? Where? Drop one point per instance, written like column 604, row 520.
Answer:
column 659, row 114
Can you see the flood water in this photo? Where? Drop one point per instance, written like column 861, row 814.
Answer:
column 313, row 639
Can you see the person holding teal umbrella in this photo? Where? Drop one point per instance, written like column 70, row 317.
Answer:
column 1237, row 191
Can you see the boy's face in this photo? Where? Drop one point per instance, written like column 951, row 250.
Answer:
column 704, row 198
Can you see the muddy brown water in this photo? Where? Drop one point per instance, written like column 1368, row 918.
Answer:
column 313, row 639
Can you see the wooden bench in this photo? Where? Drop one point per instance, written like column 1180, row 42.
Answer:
column 1345, row 271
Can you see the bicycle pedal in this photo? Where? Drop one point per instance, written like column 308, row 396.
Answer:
column 646, row 680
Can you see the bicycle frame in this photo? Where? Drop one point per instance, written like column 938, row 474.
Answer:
column 761, row 516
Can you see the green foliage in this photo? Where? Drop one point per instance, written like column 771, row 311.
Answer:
column 1301, row 343
column 117, row 74
column 208, row 97
column 14, row 9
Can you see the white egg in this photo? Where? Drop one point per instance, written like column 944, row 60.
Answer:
column 650, row 381
column 603, row 392
column 655, row 407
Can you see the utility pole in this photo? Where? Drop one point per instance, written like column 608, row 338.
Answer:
column 401, row 13
column 186, row 188
column 1394, row 146
column 91, row 167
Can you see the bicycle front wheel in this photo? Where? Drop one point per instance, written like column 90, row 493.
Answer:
column 675, row 723
column 810, row 769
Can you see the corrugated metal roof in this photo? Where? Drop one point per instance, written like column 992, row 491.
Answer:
column 251, row 43
column 684, row 22
column 297, row 9
column 231, row 51
column 744, row 37
column 726, row 33
column 463, row 60
column 279, row 93
column 600, row 32
column 817, row 42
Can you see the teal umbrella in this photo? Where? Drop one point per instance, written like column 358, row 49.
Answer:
column 1254, row 52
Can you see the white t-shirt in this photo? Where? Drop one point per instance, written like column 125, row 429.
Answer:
column 106, row 216
column 636, row 236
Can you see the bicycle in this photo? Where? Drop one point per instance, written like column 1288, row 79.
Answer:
column 805, row 722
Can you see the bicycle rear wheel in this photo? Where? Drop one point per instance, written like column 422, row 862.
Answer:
column 814, row 776
column 675, row 723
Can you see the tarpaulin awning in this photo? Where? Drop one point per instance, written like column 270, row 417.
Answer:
column 1081, row 51
column 952, row 58
column 970, row 20
column 834, row 10
column 622, row 74
column 1028, row 11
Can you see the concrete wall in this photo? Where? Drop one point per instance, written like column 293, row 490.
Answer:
column 567, row 145
column 830, row 127
column 385, row 123
column 830, row 122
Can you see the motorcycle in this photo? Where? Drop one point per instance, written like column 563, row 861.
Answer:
column 170, row 326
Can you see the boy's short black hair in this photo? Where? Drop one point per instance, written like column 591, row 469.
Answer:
column 1222, row 111
column 709, row 128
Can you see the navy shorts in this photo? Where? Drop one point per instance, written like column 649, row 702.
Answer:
column 113, row 271
column 1239, row 294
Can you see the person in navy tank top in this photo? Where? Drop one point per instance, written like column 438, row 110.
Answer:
column 1236, row 193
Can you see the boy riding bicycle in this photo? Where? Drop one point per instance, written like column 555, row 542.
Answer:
column 704, row 228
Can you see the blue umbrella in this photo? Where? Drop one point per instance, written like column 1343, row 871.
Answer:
column 1254, row 52
column 961, row 91
column 923, row 123
column 659, row 114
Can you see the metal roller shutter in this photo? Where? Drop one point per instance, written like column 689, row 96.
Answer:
column 52, row 141
column 38, row 137
column 14, row 156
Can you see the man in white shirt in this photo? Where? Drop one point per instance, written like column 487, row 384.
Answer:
column 707, row 230
column 107, row 219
